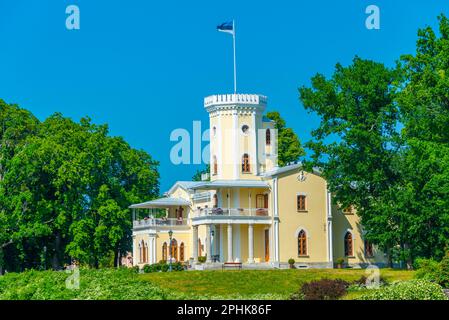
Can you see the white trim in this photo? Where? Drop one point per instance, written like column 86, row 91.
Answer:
column 221, row 244
column 299, row 230
column 255, row 158
column 235, row 150
column 330, row 245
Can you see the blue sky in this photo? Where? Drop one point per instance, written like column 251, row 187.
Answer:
column 144, row 66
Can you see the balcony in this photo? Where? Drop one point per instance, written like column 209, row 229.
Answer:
column 231, row 216
column 160, row 222
column 230, row 212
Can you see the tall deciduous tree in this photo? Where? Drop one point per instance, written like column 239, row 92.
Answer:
column 68, row 188
column 289, row 146
column 357, row 141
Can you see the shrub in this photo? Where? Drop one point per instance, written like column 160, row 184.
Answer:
column 202, row 259
column 324, row 289
column 162, row 266
column 291, row 261
column 434, row 271
column 407, row 290
column 339, row 261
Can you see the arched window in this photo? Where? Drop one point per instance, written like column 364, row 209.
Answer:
column 268, row 137
column 302, row 243
column 245, row 163
column 164, row 251
column 215, row 166
column 199, row 248
column 140, row 252
column 174, row 249
column 145, row 253
column 181, row 252
column 215, row 201
column 348, row 244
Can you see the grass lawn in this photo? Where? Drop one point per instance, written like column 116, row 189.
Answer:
column 248, row 283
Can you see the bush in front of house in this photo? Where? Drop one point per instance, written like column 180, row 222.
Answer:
column 407, row 290
column 202, row 259
column 324, row 289
column 431, row 270
column 163, row 267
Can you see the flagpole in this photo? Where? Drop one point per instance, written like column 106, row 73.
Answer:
column 235, row 69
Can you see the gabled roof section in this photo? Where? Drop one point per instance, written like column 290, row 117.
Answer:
column 288, row 168
column 186, row 185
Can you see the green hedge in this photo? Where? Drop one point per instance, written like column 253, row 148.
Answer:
column 102, row 284
column 407, row 290
column 162, row 267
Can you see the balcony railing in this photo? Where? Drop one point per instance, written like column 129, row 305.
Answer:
column 169, row 222
column 253, row 212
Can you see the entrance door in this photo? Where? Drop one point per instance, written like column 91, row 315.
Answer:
column 267, row 245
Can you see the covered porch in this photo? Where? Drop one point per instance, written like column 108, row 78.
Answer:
column 162, row 212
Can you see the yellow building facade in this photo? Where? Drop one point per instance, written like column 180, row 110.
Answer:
column 248, row 209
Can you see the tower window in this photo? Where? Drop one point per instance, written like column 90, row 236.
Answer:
column 215, row 166
column 245, row 128
column 214, row 131
column 245, row 163
column 268, row 137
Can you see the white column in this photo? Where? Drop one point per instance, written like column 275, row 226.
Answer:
column 135, row 251
column 195, row 243
column 230, row 258
column 208, row 244
column 250, row 243
column 221, row 244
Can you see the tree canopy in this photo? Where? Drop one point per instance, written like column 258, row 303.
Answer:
column 382, row 144
column 65, row 189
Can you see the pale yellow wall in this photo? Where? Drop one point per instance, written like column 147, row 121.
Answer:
column 180, row 237
column 341, row 224
column 313, row 221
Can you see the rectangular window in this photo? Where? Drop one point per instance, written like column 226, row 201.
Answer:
column 368, row 249
column 347, row 210
column 301, row 202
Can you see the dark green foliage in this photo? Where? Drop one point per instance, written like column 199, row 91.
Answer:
column 101, row 284
column 162, row 267
column 324, row 289
column 65, row 188
column 431, row 270
column 289, row 146
column 383, row 145
column 202, row 259
column 197, row 175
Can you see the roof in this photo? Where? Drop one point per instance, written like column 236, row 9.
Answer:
column 183, row 184
column 230, row 184
column 279, row 170
column 161, row 203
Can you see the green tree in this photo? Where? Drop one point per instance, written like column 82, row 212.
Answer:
column 424, row 102
column 289, row 146
column 199, row 173
column 68, row 189
column 356, row 143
